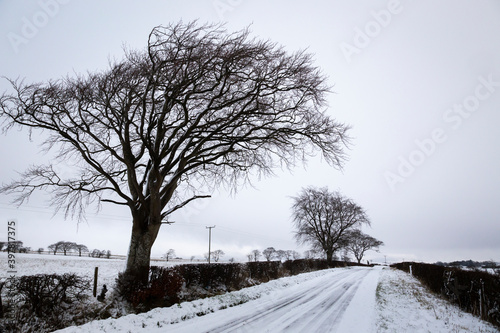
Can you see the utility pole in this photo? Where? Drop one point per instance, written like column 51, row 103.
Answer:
column 209, row 240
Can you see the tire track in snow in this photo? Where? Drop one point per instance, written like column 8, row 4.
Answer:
column 327, row 316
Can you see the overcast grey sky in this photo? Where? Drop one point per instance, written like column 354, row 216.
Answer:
column 419, row 81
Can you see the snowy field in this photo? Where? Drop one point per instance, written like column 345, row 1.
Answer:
column 335, row 300
column 30, row 264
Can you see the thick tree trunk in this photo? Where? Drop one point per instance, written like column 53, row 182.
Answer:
column 329, row 256
column 139, row 254
column 145, row 227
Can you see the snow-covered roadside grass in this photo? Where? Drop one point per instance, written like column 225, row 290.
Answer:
column 160, row 317
column 405, row 305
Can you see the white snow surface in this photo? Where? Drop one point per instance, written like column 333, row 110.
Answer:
column 353, row 299
column 30, row 264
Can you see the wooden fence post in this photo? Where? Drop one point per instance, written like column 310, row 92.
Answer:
column 95, row 281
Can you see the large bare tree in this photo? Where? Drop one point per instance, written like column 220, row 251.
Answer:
column 323, row 218
column 199, row 108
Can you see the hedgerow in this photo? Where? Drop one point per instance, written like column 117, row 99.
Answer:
column 477, row 292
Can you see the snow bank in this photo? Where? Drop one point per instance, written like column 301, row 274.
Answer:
column 404, row 305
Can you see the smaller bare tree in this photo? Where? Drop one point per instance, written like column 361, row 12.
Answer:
column 254, row 255
column 96, row 253
column 55, row 247
column 269, row 253
column 359, row 242
column 81, row 248
column 67, row 246
column 217, row 255
column 169, row 254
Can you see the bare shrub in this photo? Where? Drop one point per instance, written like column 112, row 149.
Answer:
column 39, row 303
column 43, row 293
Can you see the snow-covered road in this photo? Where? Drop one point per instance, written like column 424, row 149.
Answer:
column 316, row 305
column 356, row 299
column 334, row 300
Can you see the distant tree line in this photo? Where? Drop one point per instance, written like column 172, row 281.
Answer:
column 271, row 253
column 67, row 247
column 58, row 247
column 214, row 255
column 470, row 264
column 15, row 246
